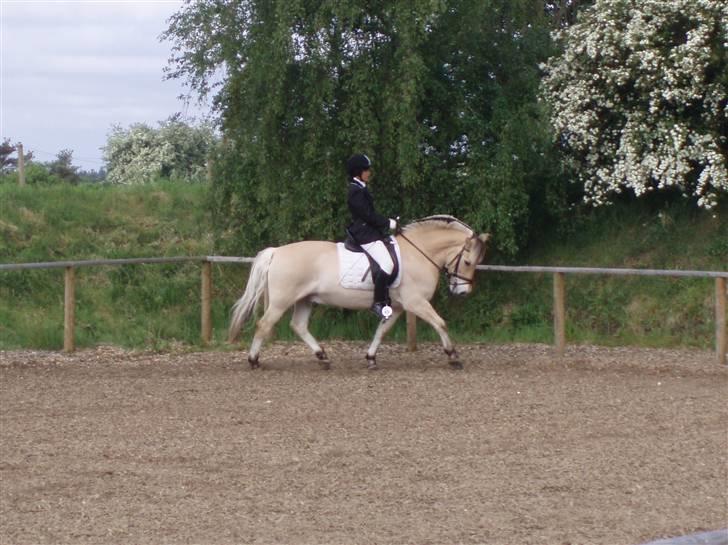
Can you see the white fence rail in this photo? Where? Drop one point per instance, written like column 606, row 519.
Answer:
column 559, row 287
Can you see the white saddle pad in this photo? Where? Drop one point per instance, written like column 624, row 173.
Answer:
column 354, row 270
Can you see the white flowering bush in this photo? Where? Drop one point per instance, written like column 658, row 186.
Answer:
column 638, row 97
column 141, row 154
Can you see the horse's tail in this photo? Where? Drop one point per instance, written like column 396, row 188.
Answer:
column 257, row 286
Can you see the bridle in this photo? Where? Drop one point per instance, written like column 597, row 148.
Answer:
column 460, row 280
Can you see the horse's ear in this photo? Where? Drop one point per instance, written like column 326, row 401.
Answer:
column 484, row 238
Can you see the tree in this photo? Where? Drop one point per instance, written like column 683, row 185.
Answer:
column 63, row 167
column 638, row 98
column 564, row 12
column 61, row 170
column 442, row 95
column 175, row 150
column 8, row 163
column 92, row 176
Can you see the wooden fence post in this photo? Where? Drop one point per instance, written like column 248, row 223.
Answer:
column 69, row 310
column 559, row 314
column 411, row 332
column 206, row 306
column 21, row 165
column 720, row 325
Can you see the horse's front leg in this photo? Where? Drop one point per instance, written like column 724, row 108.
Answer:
column 423, row 309
column 382, row 330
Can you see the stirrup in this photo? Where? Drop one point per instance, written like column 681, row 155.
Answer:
column 382, row 310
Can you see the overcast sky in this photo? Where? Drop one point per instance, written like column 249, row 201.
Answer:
column 69, row 70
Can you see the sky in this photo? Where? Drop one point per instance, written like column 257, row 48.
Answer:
column 71, row 69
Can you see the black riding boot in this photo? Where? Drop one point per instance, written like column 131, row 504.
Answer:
column 381, row 296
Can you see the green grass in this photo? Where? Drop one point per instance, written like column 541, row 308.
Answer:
column 141, row 305
column 611, row 310
column 154, row 306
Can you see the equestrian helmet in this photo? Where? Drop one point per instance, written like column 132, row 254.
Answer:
column 357, row 164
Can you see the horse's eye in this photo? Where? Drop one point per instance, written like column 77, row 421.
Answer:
column 467, row 263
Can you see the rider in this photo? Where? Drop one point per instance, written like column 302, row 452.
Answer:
column 367, row 229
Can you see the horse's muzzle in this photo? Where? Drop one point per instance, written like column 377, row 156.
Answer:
column 461, row 290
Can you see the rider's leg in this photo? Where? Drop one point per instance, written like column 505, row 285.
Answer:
column 379, row 253
column 381, row 287
column 381, row 306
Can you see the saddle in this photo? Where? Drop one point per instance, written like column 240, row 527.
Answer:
column 355, row 267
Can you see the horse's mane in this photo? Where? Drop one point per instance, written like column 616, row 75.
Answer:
column 439, row 220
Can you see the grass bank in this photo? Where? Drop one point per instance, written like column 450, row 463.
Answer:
column 154, row 305
column 131, row 305
column 614, row 310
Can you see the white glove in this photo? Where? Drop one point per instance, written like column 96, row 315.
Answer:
column 392, row 224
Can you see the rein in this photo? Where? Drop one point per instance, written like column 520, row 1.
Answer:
column 444, row 268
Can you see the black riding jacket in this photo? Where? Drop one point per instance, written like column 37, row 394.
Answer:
column 366, row 225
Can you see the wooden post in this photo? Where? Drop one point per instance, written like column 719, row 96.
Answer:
column 559, row 314
column 206, row 296
column 720, row 326
column 411, row 332
column 21, row 165
column 69, row 310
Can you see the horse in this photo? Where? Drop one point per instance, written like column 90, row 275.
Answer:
column 301, row 274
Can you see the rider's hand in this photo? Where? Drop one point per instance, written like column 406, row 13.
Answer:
column 393, row 225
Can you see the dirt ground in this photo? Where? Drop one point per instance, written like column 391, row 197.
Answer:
column 610, row 446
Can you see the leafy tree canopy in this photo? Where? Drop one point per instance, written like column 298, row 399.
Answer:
column 441, row 94
column 9, row 163
column 174, row 150
column 639, row 96
column 63, row 167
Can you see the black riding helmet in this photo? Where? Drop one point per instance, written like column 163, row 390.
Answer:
column 357, row 164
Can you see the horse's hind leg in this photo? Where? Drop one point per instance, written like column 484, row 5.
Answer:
column 299, row 323
column 262, row 331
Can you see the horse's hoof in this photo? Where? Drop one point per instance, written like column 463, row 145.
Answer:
column 254, row 363
column 372, row 363
column 454, row 361
column 324, row 362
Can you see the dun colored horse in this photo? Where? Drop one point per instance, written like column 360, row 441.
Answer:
column 303, row 273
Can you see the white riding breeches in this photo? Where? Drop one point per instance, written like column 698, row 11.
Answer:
column 378, row 251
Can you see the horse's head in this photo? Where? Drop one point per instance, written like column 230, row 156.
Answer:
column 449, row 245
column 462, row 268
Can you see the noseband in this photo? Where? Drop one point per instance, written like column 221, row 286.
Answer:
column 460, row 280
column 455, row 274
